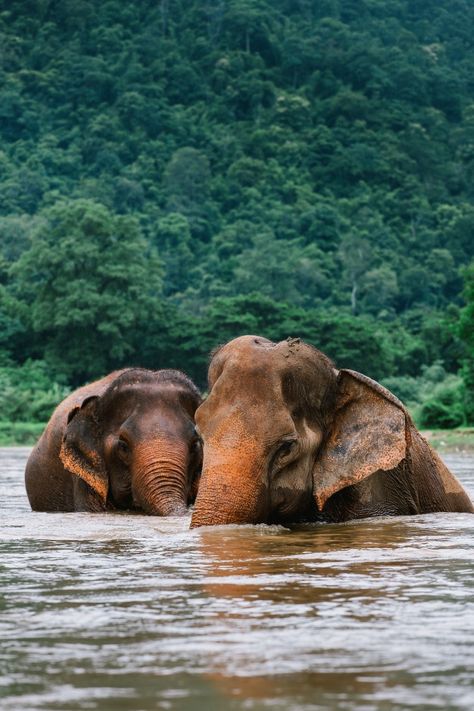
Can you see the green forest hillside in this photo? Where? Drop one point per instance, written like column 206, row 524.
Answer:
column 174, row 174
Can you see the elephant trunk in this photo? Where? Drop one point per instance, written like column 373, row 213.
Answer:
column 160, row 479
column 232, row 488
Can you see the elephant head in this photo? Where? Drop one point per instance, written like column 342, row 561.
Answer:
column 135, row 444
column 288, row 437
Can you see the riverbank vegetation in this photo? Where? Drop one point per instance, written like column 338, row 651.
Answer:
column 173, row 175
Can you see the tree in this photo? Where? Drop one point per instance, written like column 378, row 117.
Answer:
column 91, row 283
column 284, row 270
column 380, row 289
column 249, row 24
column 315, row 155
column 186, row 179
column 174, row 241
column 355, row 255
column 466, row 332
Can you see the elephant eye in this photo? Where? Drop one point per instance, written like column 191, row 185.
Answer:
column 196, row 455
column 196, row 446
column 284, row 451
column 123, row 448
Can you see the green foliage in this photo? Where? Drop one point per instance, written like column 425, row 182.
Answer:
column 175, row 174
column 28, row 393
column 20, row 433
column 466, row 333
column 445, row 407
column 435, row 397
column 89, row 283
column 357, row 342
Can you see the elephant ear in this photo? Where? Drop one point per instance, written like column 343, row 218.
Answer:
column 368, row 435
column 81, row 449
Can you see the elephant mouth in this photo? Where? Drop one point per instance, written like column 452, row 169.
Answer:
column 121, row 500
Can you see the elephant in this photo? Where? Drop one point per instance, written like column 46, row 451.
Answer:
column 287, row 438
column 126, row 441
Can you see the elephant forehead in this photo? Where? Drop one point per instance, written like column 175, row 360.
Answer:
column 246, row 351
column 235, row 424
column 257, row 347
column 158, row 422
column 253, row 358
column 246, row 343
column 139, row 400
column 246, row 395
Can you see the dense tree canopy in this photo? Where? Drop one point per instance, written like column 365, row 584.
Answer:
column 466, row 332
column 176, row 174
column 88, row 281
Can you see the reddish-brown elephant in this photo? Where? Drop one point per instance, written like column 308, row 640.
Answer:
column 287, row 437
column 126, row 441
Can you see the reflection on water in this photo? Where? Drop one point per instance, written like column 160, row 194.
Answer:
column 135, row 613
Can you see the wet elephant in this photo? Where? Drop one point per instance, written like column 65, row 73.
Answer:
column 287, row 437
column 126, row 441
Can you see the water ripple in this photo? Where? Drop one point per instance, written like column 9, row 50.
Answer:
column 133, row 612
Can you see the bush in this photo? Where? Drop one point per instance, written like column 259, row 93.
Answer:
column 406, row 388
column 20, row 433
column 436, row 398
column 445, row 407
column 434, row 414
column 29, row 393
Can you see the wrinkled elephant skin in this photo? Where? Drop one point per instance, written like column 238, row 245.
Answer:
column 288, row 437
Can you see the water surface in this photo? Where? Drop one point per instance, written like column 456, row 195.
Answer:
column 117, row 612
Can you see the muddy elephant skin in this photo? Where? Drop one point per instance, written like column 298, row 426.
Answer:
column 288, row 437
column 126, row 441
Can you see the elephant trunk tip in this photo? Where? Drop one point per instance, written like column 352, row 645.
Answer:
column 171, row 508
column 177, row 509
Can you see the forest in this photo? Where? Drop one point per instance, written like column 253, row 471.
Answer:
column 177, row 173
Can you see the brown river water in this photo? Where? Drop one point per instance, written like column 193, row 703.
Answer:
column 133, row 613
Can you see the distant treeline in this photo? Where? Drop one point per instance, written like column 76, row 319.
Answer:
column 174, row 174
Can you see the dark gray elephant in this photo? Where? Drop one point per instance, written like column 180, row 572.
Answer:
column 126, row 441
column 288, row 437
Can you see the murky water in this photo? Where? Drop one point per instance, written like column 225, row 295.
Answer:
column 136, row 613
